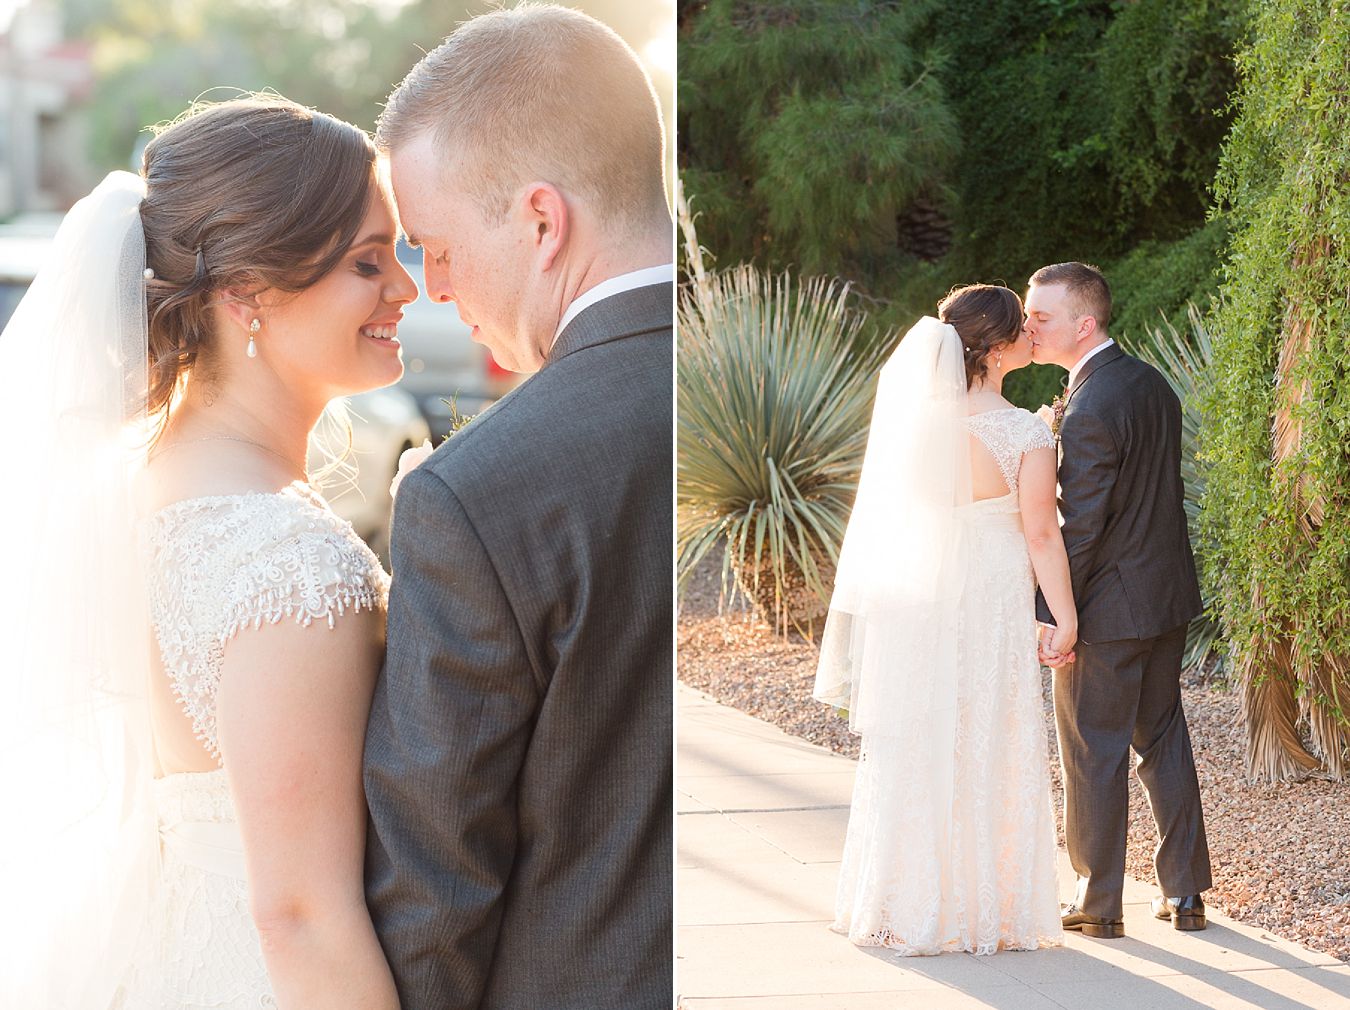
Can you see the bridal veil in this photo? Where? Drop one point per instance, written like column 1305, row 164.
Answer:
column 78, row 850
column 890, row 641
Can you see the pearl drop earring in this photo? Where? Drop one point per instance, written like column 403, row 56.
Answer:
column 253, row 329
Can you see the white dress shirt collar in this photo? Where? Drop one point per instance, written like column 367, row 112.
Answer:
column 664, row 274
column 1073, row 372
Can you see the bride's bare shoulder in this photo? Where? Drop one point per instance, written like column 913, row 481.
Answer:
column 182, row 471
column 982, row 401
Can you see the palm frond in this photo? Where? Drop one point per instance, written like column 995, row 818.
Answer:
column 1270, row 710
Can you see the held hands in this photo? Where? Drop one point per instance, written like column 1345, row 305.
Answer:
column 1054, row 645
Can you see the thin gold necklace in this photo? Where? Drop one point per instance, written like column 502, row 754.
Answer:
column 304, row 473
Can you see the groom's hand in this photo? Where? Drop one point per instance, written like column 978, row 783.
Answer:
column 1054, row 660
column 1049, row 657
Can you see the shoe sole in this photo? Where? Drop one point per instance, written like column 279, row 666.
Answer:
column 1103, row 931
column 1100, row 931
column 1185, row 923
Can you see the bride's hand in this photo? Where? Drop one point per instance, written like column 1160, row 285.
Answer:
column 1062, row 642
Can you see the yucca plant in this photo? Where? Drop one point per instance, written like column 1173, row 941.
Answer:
column 1185, row 362
column 775, row 396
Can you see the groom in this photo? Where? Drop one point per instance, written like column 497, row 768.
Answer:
column 1134, row 582
column 518, row 760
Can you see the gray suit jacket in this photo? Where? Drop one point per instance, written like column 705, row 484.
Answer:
column 1120, row 498
column 518, row 759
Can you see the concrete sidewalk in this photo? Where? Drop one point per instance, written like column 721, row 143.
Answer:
column 760, row 829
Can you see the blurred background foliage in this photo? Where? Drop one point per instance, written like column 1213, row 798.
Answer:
column 152, row 58
column 910, row 146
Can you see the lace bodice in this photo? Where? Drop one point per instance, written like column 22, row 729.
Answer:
column 221, row 563
column 1008, row 434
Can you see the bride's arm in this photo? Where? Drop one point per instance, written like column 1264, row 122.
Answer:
column 1040, row 522
column 291, row 710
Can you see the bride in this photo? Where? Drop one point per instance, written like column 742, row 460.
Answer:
column 931, row 646
column 189, row 637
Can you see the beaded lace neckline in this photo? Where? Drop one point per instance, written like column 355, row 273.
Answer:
column 298, row 487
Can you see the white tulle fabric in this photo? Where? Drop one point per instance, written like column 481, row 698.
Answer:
column 950, row 843
column 218, row 566
column 77, row 851
column 916, row 474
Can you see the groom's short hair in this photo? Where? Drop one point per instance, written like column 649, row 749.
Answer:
column 541, row 92
column 1086, row 287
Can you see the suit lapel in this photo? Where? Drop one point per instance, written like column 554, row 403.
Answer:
column 1112, row 353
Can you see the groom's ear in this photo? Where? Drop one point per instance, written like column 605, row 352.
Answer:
column 546, row 211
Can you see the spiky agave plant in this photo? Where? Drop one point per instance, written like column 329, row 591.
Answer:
column 775, row 396
column 1185, row 362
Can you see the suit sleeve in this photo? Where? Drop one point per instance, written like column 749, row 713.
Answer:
column 1088, row 471
column 450, row 724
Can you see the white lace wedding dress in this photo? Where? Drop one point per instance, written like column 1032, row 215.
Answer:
column 218, row 565
column 988, row 880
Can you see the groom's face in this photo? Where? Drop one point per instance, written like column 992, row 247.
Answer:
column 1051, row 324
column 481, row 266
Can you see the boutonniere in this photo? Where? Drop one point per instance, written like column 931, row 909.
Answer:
column 1053, row 414
column 408, row 461
column 1057, row 413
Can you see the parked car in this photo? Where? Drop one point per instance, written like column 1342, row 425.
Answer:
column 23, row 247
column 384, row 422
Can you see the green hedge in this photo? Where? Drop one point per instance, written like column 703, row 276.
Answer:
column 1277, row 443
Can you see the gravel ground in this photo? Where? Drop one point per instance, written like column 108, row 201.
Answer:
column 1281, row 854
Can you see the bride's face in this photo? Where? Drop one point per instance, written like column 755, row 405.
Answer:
column 1017, row 353
column 339, row 336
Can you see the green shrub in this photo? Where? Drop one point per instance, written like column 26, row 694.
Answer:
column 1154, row 284
column 1275, row 446
column 810, row 125
column 1087, row 126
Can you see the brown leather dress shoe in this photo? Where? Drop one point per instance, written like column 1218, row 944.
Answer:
column 1073, row 917
column 1187, row 912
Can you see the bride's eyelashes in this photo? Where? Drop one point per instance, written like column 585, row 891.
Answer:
column 367, row 269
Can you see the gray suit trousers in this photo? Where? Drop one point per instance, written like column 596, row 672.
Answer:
column 1097, row 731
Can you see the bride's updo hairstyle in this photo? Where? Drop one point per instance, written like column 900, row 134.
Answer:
column 986, row 317
column 256, row 192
